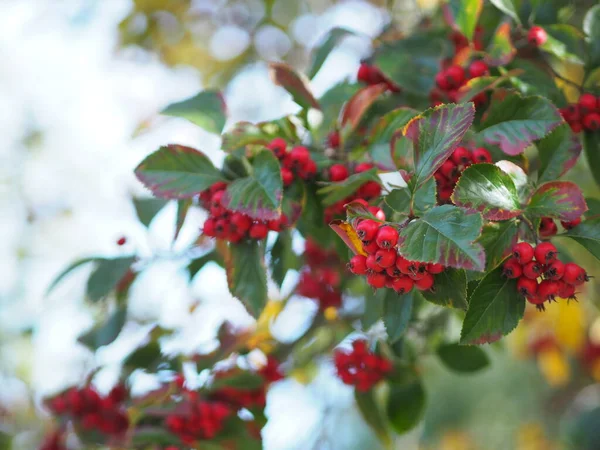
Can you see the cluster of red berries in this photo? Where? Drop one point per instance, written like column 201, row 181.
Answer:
column 320, row 277
column 383, row 266
column 92, row 411
column 230, row 225
column 450, row 79
column 541, row 275
column 583, row 115
column 198, row 420
column 370, row 75
column 297, row 163
column 537, row 36
column 461, row 42
column 360, row 367
column 366, row 192
column 448, row 174
column 548, row 227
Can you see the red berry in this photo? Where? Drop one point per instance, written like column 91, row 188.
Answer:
column 482, row 155
column 386, row 257
column 333, row 139
column 417, row 271
column 278, row 146
column 527, row 286
column 455, row 76
column 358, row 264
column 533, row 270
column 574, row 274
column 448, row 169
column 377, row 212
column 240, row 222
column 441, row 81
column 435, row 268
column 393, row 271
column 377, row 280
column 545, row 253
column 367, row 230
column 425, row 283
column 461, row 156
column 338, row 172
column 299, row 156
column 387, row 237
column 523, row 252
column 548, row 289
column 445, row 193
column 478, row 69
column 258, row 230
column 576, row 127
column 547, row 227
column 403, row 284
column 372, row 263
column 571, row 224
column 555, row 270
column 566, row 290
column 537, row 36
column 363, row 167
column 370, row 189
column 122, row 240
column 370, row 246
column 591, row 121
column 287, row 177
column 512, row 268
column 587, row 102
column 404, row 265
column 536, row 300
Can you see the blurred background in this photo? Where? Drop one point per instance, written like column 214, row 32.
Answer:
column 81, row 85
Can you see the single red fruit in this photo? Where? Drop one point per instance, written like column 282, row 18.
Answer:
column 364, row 73
column 370, row 189
column 209, row 227
column 393, row 271
column 482, row 155
column 259, row 230
column 461, row 156
column 372, row 263
column 448, row 169
column 299, row 156
column 574, row 274
column 122, row 240
column 287, row 177
column 338, row 172
column 387, row 237
column 358, row 265
column 363, row 167
column 555, row 270
column 591, row 121
column 587, row 102
column 537, row 36
column 441, row 81
column 548, row 227
column 566, row 290
column 455, row 76
column 512, row 268
column 533, row 270
column 403, row 284
column 377, row 212
column 367, row 230
column 370, row 246
column 548, row 289
column 537, row 301
column 571, row 224
column 377, row 280
column 545, row 253
column 435, row 268
column 278, row 147
column 333, row 139
column 404, row 265
column 478, row 69
column 386, row 257
column 240, row 222
column 523, row 252
column 425, row 283
column 527, row 286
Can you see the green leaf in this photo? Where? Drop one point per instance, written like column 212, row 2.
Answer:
column 476, row 86
column 495, row 309
column 332, row 102
column 498, row 239
column 246, row 135
column 500, row 51
column 561, row 200
column 147, row 208
column 406, row 406
column 183, row 206
column 593, row 211
column 259, row 194
column 283, row 257
column 591, row 144
column 449, row 289
column 295, row 83
column 372, row 414
column 591, row 27
column 464, row 359
column 435, row 134
column 176, row 171
column 246, row 275
column 587, row 233
column 397, row 312
column 383, row 132
column 422, row 200
column 508, row 7
column 197, row 264
column 144, row 357
column 446, row 235
column 106, row 275
column 558, row 153
column 105, row 333
column 374, row 303
column 565, row 42
column 462, row 15
column 487, row 189
column 334, row 192
column 68, row 270
column 324, row 48
column 532, row 79
column 151, row 435
column 207, row 110
column 241, row 380
column 513, row 122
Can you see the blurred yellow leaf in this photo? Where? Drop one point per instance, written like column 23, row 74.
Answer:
column 554, row 366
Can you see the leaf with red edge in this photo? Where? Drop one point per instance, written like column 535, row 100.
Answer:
column 478, row 85
column 384, row 154
column 495, row 309
column 514, row 122
column 176, row 171
column 435, row 134
column 295, row 83
column 558, row 153
column 462, row 15
column 357, row 106
column 500, row 51
column 349, row 236
column 561, row 200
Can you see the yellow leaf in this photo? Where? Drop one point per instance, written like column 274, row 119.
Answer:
column 554, row 366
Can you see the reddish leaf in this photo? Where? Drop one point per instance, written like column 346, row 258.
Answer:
column 561, row 200
column 349, row 236
column 558, row 152
column 295, row 83
column 357, row 106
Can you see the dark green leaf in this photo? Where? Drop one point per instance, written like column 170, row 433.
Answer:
column 295, row 83
column 435, row 134
column 587, row 233
column 423, row 199
column 591, row 27
column 283, row 257
column 500, row 51
column 497, row 239
column 241, row 380
column 183, row 206
column 259, row 194
column 144, row 357
column 463, row 15
column 374, row 304
column 495, row 309
column 105, row 333
column 558, row 152
column 489, row 190
column 449, row 289
column 68, row 270
column 197, row 264
column 207, row 110
column 513, row 122
column 591, row 144
column 372, row 414
column 406, row 406
column 147, row 208
column 561, row 200
column 535, row 80
column 446, row 235
column 334, row 192
column 461, row 358
column 593, row 211
column 106, row 275
column 246, row 275
column 176, row 171
column 508, row 7
column 565, row 42
column 150, row 435
column 397, row 312
column 324, row 48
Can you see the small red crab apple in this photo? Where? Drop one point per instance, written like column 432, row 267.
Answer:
column 587, row 102
column 566, row 290
column 570, row 225
column 387, row 237
column 545, row 253
column 527, row 286
column 537, row 36
column 555, row 270
column 548, row 289
column 574, row 274
column 533, row 270
column 478, row 69
column 523, row 252
column 403, row 284
column 512, row 268
column 358, row 265
column 367, row 230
